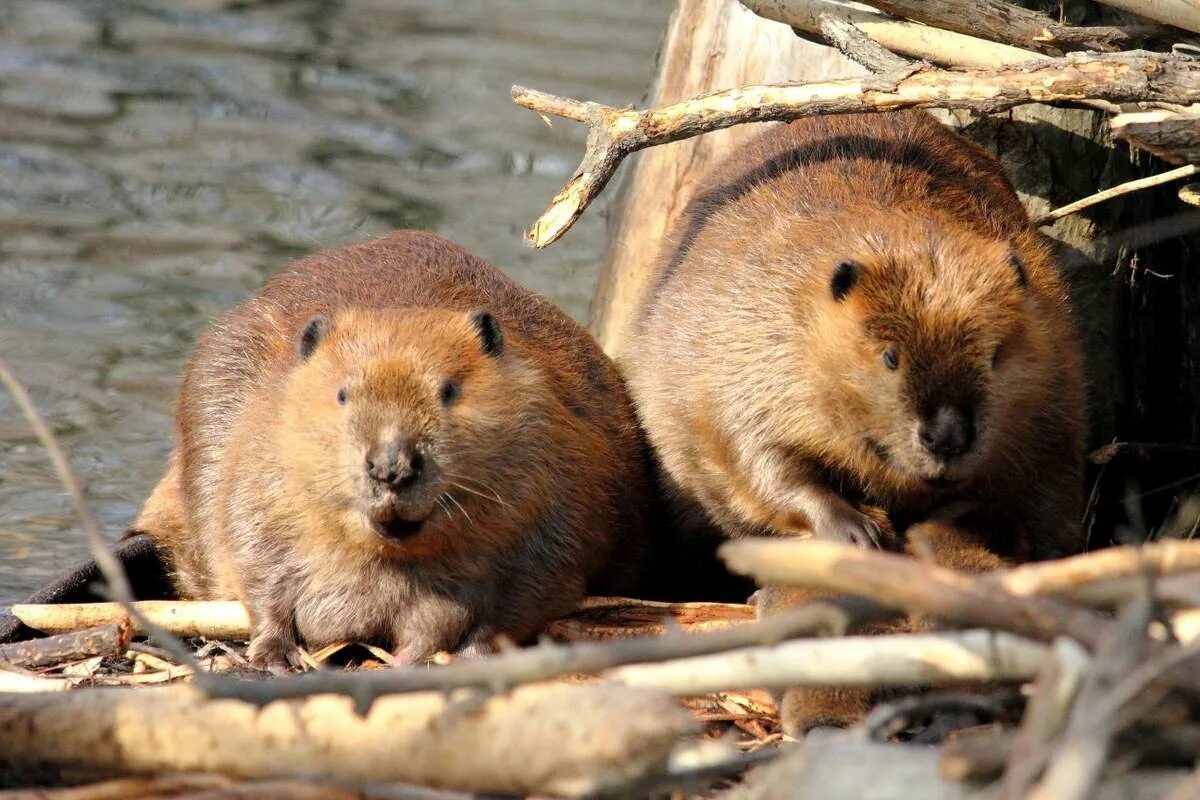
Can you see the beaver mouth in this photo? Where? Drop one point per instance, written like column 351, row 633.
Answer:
column 397, row 529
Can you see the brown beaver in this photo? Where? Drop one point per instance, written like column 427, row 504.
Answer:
column 856, row 314
column 392, row 442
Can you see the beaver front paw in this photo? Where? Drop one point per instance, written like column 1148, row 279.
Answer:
column 808, row 707
column 272, row 652
column 849, row 526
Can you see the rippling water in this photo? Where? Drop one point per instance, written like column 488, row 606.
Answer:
column 159, row 158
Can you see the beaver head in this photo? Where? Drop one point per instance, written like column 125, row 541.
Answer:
column 400, row 423
column 933, row 349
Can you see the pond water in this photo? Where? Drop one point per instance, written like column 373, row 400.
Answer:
column 159, row 158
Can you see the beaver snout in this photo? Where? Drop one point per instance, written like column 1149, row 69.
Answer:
column 948, row 431
column 396, row 464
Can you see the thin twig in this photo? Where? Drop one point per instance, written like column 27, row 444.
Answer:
column 545, row 662
column 110, row 567
column 1116, row 191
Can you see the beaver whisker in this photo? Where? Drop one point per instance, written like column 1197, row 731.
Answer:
column 456, row 483
column 454, row 500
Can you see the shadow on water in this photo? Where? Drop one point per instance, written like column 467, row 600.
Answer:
column 158, row 158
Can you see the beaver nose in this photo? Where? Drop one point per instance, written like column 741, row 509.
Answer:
column 948, row 431
column 396, row 463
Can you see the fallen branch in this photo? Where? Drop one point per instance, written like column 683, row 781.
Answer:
column 1180, row 13
column 886, row 660
column 1115, row 191
column 1045, row 716
column 548, row 739
column 219, row 787
column 1172, row 136
column 902, row 582
column 14, row 681
column 105, row 640
column 549, row 661
column 1075, row 767
column 599, row 618
column 212, row 619
column 1012, row 24
column 1109, row 576
column 615, row 133
column 921, row 42
column 596, row 618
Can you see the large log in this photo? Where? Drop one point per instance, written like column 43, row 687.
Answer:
column 555, row 739
column 1006, row 22
column 710, row 45
column 1180, row 13
column 944, row 47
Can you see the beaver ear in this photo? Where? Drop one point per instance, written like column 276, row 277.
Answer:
column 844, row 279
column 314, row 331
column 491, row 338
column 1019, row 266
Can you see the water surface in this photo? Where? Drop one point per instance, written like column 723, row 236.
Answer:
column 159, row 158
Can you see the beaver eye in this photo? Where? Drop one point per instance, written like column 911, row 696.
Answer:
column 996, row 354
column 891, row 357
column 449, row 391
column 341, row 396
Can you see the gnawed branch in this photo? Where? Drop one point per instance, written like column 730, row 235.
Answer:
column 615, row 133
column 935, row 659
column 550, row 739
column 902, row 582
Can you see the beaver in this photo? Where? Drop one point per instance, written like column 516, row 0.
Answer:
column 854, row 313
column 393, row 442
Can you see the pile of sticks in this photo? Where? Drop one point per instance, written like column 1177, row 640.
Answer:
column 626, row 696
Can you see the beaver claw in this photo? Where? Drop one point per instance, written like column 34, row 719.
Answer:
column 852, row 528
column 272, row 653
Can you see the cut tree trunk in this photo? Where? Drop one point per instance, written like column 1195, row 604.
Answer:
column 710, row 45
